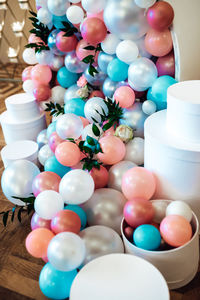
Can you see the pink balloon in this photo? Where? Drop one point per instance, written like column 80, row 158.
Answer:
column 97, row 93
column 158, row 43
column 26, row 74
column 138, row 183
column 38, row 222
column 99, row 15
column 68, row 154
column 66, row 43
column 113, row 149
column 45, row 181
column 166, row 65
column 125, row 96
column 54, row 141
column 42, row 92
column 66, row 220
column 93, row 30
column 41, row 73
column 82, row 53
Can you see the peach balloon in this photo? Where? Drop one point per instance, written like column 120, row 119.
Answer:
column 54, row 141
column 113, row 149
column 41, row 73
column 125, row 96
column 175, row 230
column 100, row 177
column 66, row 220
column 68, row 154
column 138, row 183
column 45, row 181
column 158, row 43
column 37, row 242
column 82, row 53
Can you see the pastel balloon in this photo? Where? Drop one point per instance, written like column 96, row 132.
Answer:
column 66, row 220
column 28, row 86
column 54, row 141
column 52, row 41
column 66, row 251
column 44, row 57
column 109, row 87
column 66, row 78
column 147, row 237
column 56, row 284
column 75, row 106
column 149, row 107
column 42, row 74
column 56, row 63
column 42, row 138
column 93, row 30
column 71, row 92
column 37, row 242
column 45, row 181
column 144, row 3
column 97, row 79
column 179, row 208
column 135, row 151
column 166, row 65
column 58, row 7
column 51, row 128
column 76, row 187
column 138, row 183
column 110, row 43
column 93, row 6
column 103, row 61
column 110, row 157
column 69, row 126
column 160, row 207
column 117, row 70
column 100, row 177
column 26, row 74
column 68, row 154
column 141, row 47
column 66, row 43
column 160, row 16
column 37, row 222
column 29, row 56
column 53, row 165
column 81, row 52
column 42, row 93
column 175, row 230
column 73, row 64
column 127, row 51
column 92, row 106
column 158, row 43
column 57, row 94
column 125, row 96
column 75, row 14
column 138, row 211
column 80, row 212
column 44, row 153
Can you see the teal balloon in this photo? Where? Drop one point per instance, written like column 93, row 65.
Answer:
column 75, row 106
column 80, row 212
column 117, row 70
column 147, row 237
column 158, row 91
column 53, row 165
column 56, row 284
column 57, row 21
column 51, row 128
column 66, row 78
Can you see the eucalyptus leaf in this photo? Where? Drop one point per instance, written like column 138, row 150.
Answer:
column 95, row 130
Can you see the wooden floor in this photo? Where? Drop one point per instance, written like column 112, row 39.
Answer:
column 19, row 272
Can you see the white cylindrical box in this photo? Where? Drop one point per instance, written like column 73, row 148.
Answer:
column 183, row 111
column 22, row 107
column 15, row 131
column 178, row 266
column 20, row 150
column 175, row 164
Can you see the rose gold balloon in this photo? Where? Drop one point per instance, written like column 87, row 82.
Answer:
column 158, row 43
column 166, row 65
column 160, row 16
column 100, row 177
column 66, row 220
column 54, row 141
column 93, row 30
column 45, row 181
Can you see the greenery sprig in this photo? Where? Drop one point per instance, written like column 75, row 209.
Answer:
column 55, row 109
column 91, row 58
column 68, row 29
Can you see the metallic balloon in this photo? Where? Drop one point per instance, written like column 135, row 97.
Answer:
column 38, row 222
column 58, row 7
column 73, row 64
column 97, row 79
column 71, row 92
column 149, row 107
column 105, row 207
column 109, row 87
column 141, row 46
column 125, row 19
column 44, row 153
column 99, row 241
column 17, row 180
column 42, row 138
column 103, row 61
column 116, row 173
column 52, row 42
column 135, row 118
column 135, row 151
column 56, row 63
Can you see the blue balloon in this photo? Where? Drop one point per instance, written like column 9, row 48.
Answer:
column 158, row 91
column 57, row 21
column 80, row 212
column 56, row 284
column 109, row 87
column 147, row 237
column 66, row 78
column 52, row 42
column 51, row 128
column 75, row 106
column 103, row 61
column 117, row 70
column 53, row 165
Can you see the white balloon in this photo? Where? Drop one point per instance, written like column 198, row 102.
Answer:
column 87, row 131
column 76, row 187
column 127, row 51
column 145, row 3
column 69, row 126
column 44, row 15
column 44, row 57
column 28, row 86
column 42, row 3
column 29, row 56
column 179, row 208
column 92, row 106
column 135, row 151
column 66, row 251
column 58, row 7
column 57, row 94
column 94, row 6
column 75, row 14
column 44, row 153
column 74, row 1
column 149, row 107
column 109, row 45
column 48, row 203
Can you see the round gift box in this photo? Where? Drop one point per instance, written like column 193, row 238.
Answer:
column 25, row 130
column 22, row 107
column 20, row 150
column 178, row 266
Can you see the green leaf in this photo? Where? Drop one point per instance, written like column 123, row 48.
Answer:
column 92, row 71
column 89, row 48
column 90, row 141
column 71, row 140
column 33, row 13
column 66, row 25
column 94, row 120
column 30, row 208
column 87, row 149
column 107, row 126
column 95, row 130
column 88, row 59
column 5, row 218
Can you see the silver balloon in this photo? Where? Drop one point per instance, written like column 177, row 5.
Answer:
column 116, row 173
column 135, row 151
column 52, row 42
column 109, row 87
column 125, row 19
column 142, row 49
column 97, row 79
column 44, row 153
column 56, row 63
column 73, row 64
column 149, row 107
column 42, row 138
column 105, row 207
column 17, row 180
column 135, row 118
column 99, row 241
column 71, row 92
column 103, row 61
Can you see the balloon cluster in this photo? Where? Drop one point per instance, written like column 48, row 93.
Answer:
column 157, row 225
